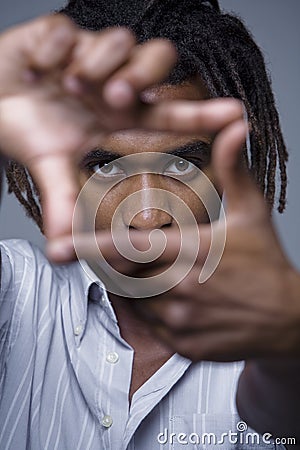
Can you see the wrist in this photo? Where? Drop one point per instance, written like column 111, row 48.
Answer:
column 287, row 338
column 294, row 289
column 268, row 397
column 293, row 302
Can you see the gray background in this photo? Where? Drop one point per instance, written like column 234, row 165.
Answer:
column 274, row 24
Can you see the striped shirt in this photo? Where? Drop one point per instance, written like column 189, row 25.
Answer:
column 65, row 372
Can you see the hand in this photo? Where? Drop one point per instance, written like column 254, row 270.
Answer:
column 61, row 90
column 250, row 306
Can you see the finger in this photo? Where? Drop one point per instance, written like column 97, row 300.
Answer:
column 242, row 195
column 82, row 246
column 51, row 42
column 208, row 116
column 96, row 246
column 101, row 245
column 42, row 44
column 58, row 186
column 93, row 247
column 89, row 245
column 45, row 42
column 220, row 346
column 149, row 64
column 190, row 312
column 98, row 55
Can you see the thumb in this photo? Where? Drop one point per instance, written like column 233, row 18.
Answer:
column 242, row 194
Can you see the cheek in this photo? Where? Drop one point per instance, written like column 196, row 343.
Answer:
column 107, row 208
column 184, row 202
column 101, row 210
column 202, row 198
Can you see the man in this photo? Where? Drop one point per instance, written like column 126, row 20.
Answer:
column 77, row 370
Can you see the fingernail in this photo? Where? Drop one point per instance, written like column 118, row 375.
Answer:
column 118, row 93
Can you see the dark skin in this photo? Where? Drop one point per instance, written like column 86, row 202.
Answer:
column 150, row 352
column 225, row 318
column 56, row 80
column 54, row 71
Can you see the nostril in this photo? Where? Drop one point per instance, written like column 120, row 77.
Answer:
column 148, row 219
column 166, row 225
column 157, row 227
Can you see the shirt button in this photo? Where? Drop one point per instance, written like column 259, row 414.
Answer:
column 101, row 291
column 112, row 357
column 78, row 329
column 107, row 421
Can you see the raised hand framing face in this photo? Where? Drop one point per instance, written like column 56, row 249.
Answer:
column 64, row 92
column 104, row 123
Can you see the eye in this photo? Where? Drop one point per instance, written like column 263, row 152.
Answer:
column 106, row 170
column 180, row 167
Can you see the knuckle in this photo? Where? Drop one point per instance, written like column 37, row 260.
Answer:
column 63, row 31
column 176, row 317
column 169, row 49
column 238, row 108
column 119, row 36
column 162, row 45
column 52, row 34
column 58, row 23
column 93, row 59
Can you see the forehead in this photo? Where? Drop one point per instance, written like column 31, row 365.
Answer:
column 189, row 90
column 137, row 141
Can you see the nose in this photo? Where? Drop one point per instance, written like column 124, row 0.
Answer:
column 147, row 206
column 150, row 219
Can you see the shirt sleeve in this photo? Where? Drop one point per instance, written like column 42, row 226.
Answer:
column 21, row 266
column 27, row 283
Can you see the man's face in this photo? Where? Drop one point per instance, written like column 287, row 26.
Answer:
column 168, row 175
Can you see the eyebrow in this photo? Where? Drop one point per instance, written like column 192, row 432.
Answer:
column 191, row 147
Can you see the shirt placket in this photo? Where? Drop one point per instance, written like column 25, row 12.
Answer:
column 152, row 392
column 115, row 369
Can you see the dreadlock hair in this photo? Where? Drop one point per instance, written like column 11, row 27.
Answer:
column 211, row 44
